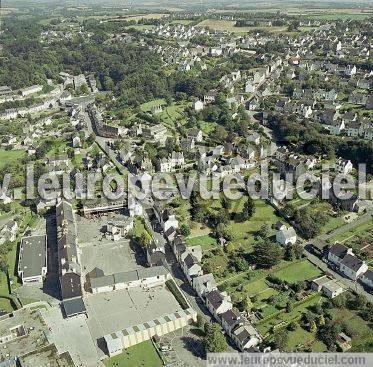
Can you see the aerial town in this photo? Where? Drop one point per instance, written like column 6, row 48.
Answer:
column 169, row 90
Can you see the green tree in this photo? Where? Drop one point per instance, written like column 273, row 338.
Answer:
column 248, row 209
column 214, row 341
column 266, row 254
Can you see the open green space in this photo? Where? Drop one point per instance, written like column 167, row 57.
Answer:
column 362, row 335
column 300, row 338
column 356, row 231
column 140, row 355
column 206, row 241
column 298, row 271
column 7, row 156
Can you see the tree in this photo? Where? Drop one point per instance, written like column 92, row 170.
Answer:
column 289, row 253
column 328, row 333
column 263, row 231
column 185, row 230
column 266, row 254
column 280, row 340
column 200, row 322
column 145, row 239
column 214, row 341
column 313, row 327
column 248, row 209
column 223, row 231
column 289, row 307
column 226, row 203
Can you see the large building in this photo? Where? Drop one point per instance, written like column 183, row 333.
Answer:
column 68, row 252
column 32, row 261
column 69, row 260
column 144, row 278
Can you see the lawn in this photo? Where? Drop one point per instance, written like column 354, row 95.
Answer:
column 356, row 231
column 206, row 241
column 333, row 223
column 244, row 232
column 285, row 318
column 298, row 271
column 140, row 355
column 7, row 156
column 300, row 338
column 147, row 107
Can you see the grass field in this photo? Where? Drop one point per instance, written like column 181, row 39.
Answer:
column 360, row 229
column 7, row 156
column 300, row 337
column 206, row 242
column 244, row 231
column 140, row 355
column 285, row 318
column 229, row 25
column 147, row 107
column 298, row 271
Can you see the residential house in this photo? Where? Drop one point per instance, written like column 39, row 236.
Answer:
column 218, row 302
column 343, row 166
column 191, row 267
column 286, row 236
column 204, row 284
column 246, row 337
column 367, row 278
column 352, row 267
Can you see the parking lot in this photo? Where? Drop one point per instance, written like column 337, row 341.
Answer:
column 185, row 348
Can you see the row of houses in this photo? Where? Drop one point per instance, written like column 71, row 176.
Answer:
column 244, row 335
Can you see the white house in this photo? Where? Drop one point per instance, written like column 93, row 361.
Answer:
column 343, row 166
column 204, row 284
column 367, row 278
column 218, row 303
column 198, row 106
column 246, row 337
column 352, row 267
column 337, row 252
column 286, row 236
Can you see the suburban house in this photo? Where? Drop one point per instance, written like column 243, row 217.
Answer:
column 230, row 320
column 343, row 166
column 204, row 284
column 367, row 278
column 286, row 236
column 327, row 285
column 348, row 264
column 32, row 260
column 218, row 303
column 166, row 219
column 352, row 267
column 246, row 337
column 337, row 252
column 191, row 267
